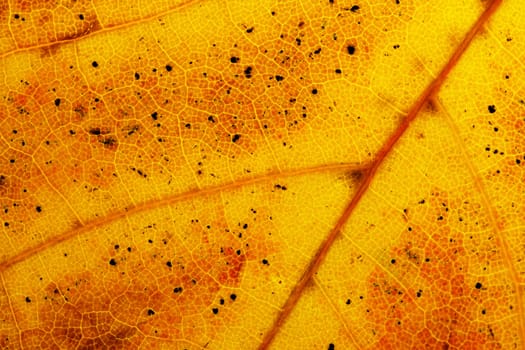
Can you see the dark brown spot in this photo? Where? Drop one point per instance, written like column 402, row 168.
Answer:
column 248, row 72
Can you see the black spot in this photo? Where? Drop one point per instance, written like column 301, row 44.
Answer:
column 236, row 137
column 211, row 119
column 94, row 64
column 348, row 302
column 16, row 16
column 215, row 311
column 108, row 141
column 137, row 76
column 350, row 49
column 169, row 68
column 57, row 102
column 354, row 8
column 234, row 59
column 478, row 285
column 38, row 209
column 177, row 290
column 338, row 71
column 169, row 264
column 248, row 72
column 264, row 261
column 81, row 17
column 318, row 51
column 249, row 30
column 28, row 299
column 279, row 78
column 314, row 91
column 151, row 312
column 418, row 293
column 233, row 297
column 331, row 346
column 112, row 262
column 95, row 131
column 393, row 261
column 154, row 115
column 492, row 109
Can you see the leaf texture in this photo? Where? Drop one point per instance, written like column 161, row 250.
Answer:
column 262, row 174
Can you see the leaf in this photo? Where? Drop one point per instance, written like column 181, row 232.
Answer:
column 259, row 174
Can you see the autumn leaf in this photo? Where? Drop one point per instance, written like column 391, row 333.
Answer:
column 235, row 174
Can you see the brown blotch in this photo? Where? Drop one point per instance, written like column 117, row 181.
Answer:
column 354, row 177
column 88, row 26
column 74, row 321
column 98, row 131
column 109, row 142
column 48, row 51
column 431, row 105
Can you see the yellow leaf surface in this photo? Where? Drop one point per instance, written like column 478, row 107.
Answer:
column 236, row 174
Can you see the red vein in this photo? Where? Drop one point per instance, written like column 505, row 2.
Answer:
column 424, row 98
column 168, row 200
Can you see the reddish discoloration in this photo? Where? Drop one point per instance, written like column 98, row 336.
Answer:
column 71, row 319
column 132, row 300
column 404, row 321
column 444, row 306
column 151, row 286
column 50, row 23
column 235, row 263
